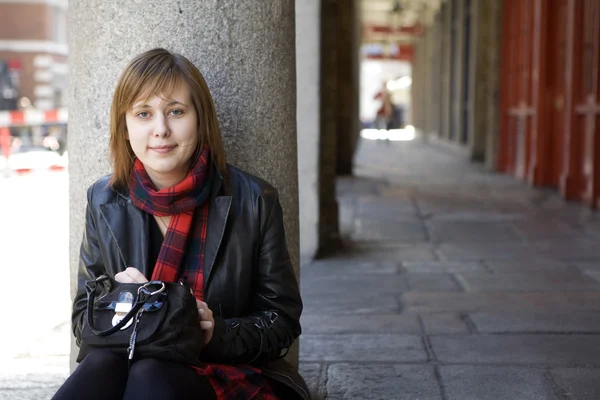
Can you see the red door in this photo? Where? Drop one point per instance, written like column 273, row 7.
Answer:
column 587, row 106
column 517, row 109
column 581, row 177
column 547, row 136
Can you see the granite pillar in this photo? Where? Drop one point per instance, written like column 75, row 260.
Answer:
column 247, row 55
column 478, row 86
column 329, row 102
column 457, row 49
column 446, row 70
column 308, row 39
column 347, row 50
column 493, row 84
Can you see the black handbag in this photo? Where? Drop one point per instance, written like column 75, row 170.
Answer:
column 155, row 319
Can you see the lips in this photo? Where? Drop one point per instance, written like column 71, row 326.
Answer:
column 162, row 149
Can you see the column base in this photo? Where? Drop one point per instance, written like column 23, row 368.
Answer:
column 572, row 187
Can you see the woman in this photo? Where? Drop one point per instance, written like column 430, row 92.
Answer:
column 171, row 185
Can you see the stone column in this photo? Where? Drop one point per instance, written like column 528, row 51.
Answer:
column 247, row 55
column 457, row 65
column 436, row 75
column 478, row 85
column 308, row 59
column 446, row 58
column 493, row 78
column 419, row 86
column 347, row 84
column 329, row 103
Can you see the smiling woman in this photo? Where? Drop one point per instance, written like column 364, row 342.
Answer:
column 174, row 211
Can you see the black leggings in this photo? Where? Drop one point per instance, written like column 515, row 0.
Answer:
column 104, row 375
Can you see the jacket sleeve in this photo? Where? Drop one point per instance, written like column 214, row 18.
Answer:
column 274, row 324
column 91, row 265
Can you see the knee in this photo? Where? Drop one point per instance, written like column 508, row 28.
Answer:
column 104, row 359
column 147, row 369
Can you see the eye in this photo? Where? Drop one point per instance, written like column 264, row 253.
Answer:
column 176, row 112
column 143, row 114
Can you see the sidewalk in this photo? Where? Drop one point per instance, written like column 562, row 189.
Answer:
column 458, row 284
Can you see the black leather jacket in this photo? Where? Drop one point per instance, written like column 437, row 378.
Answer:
column 249, row 282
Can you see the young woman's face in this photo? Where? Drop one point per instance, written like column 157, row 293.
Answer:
column 164, row 135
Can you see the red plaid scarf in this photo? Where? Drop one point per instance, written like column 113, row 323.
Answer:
column 182, row 253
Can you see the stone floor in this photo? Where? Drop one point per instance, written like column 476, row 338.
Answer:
column 456, row 284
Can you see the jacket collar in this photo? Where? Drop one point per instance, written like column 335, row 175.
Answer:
column 133, row 245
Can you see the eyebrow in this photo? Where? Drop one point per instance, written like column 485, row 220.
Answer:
column 169, row 104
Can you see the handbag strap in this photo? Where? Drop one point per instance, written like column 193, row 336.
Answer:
column 143, row 295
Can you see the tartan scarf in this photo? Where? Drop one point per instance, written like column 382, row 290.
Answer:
column 182, row 251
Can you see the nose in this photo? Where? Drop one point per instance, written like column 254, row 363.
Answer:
column 161, row 128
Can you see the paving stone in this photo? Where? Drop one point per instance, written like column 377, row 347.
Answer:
column 32, row 393
column 314, row 376
column 360, row 185
column 444, row 324
column 383, row 284
column 376, row 382
column 363, row 302
column 494, row 383
column 548, row 322
column 571, row 249
column 594, row 275
column 472, row 231
column 443, row 267
column 362, row 348
column 345, row 267
column 588, row 266
column 490, row 301
column 488, row 215
column 405, row 231
column 535, row 264
column 362, row 323
column 31, row 381
column 391, row 252
column 578, row 383
column 486, row 251
column 385, row 207
column 565, row 350
column 545, row 229
column 443, row 205
column 397, row 192
column 422, row 282
column 536, row 281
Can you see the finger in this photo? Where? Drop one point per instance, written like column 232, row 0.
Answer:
column 206, row 325
column 122, row 277
column 136, row 275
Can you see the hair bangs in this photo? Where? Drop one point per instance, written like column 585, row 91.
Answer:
column 160, row 83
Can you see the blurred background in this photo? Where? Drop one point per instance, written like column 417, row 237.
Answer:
column 509, row 85
column 34, row 199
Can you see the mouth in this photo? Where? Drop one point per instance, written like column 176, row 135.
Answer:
column 163, row 149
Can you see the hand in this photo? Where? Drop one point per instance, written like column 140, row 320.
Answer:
column 130, row 275
column 207, row 322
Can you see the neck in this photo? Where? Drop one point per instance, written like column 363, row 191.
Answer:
column 163, row 181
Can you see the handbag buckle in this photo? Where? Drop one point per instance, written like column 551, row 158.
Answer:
column 144, row 288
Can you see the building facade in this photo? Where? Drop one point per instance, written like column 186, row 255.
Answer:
column 33, row 53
